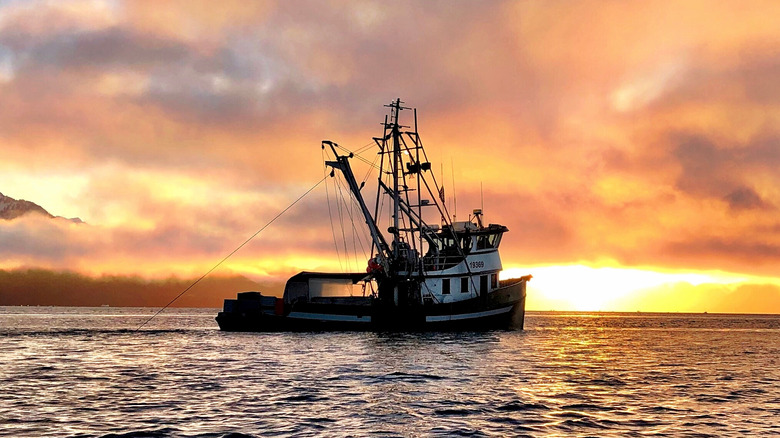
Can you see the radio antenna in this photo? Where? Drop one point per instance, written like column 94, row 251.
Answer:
column 454, row 198
column 481, row 197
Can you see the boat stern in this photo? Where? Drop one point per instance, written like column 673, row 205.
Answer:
column 250, row 311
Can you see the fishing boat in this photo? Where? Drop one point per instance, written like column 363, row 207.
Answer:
column 421, row 275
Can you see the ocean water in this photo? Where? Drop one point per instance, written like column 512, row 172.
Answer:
column 86, row 372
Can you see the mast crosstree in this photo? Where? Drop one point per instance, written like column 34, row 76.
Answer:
column 401, row 161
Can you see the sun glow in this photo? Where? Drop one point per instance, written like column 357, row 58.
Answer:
column 586, row 288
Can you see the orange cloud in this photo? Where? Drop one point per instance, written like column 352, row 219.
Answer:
column 643, row 134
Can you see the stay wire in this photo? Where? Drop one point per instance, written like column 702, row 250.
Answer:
column 358, row 153
column 330, row 214
column 348, row 208
column 233, row 252
column 341, row 223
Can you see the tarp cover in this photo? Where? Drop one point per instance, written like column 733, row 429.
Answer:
column 333, row 287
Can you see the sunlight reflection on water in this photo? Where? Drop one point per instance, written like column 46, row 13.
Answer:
column 86, row 372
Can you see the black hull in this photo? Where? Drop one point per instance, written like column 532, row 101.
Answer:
column 503, row 308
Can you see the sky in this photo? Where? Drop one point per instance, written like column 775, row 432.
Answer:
column 632, row 148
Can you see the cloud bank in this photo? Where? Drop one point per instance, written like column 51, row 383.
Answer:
column 644, row 134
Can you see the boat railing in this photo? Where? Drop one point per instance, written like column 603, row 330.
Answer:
column 442, row 262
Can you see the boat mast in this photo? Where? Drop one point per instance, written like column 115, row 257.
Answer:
column 419, row 193
column 381, row 143
column 401, row 254
column 397, row 163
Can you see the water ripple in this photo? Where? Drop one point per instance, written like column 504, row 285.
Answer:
column 88, row 373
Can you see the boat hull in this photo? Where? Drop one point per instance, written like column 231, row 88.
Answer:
column 502, row 308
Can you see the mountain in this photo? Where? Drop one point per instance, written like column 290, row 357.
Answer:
column 11, row 208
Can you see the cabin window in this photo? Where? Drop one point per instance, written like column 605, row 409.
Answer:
column 447, row 245
column 445, row 286
column 483, row 284
column 482, row 242
column 494, row 240
column 465, row 244
column 464, row 284
column 494, row 281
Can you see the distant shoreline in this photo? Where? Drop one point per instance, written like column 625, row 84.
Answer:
column 621, row 313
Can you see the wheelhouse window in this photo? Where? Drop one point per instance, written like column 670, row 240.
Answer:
column 445, row 286
column 487, row 241
column 465, row 244
column 446, row 245
column 464, row 284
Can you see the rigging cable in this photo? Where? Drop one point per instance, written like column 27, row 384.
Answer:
column 368, row 172
column 372, row 166
column 349, row 207
column 330, row 215
column 357, row 153
column 352, row 220
column 354, row 234
column 233, row 252
column 354, row 244
column 341, row 223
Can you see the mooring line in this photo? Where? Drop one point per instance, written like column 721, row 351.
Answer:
column 233, row 252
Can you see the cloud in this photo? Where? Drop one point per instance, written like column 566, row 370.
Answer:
column 637, row 133
column 39, row 287
column 25, row 23
column 745, row 198
column 183, row 226
column 731, row 252
column 725, row 172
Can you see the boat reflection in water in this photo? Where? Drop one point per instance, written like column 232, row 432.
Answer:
column 422, row 276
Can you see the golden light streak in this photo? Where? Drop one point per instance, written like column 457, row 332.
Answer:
column 588, row 288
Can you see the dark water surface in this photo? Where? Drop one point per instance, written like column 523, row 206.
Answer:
column 86, row 372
